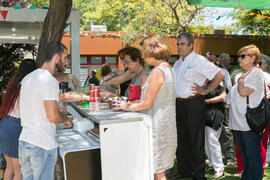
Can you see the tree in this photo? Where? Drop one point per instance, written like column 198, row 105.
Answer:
column 54, row 25
column 139, row 16
column 256, row 22
column 10, row 57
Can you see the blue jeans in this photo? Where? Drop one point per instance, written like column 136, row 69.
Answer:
column 36, row 163
column 249, row 147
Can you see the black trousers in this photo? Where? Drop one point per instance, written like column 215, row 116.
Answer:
column 190, row 130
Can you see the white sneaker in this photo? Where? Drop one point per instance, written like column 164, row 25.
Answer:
column 218, row 174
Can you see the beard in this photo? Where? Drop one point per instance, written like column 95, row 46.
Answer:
column 60, row 67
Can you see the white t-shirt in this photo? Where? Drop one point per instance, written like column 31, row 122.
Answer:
column 238, row 106
column 266, row 78
column 194, row 69
column 37, row 87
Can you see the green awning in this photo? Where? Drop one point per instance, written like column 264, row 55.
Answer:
column 245, row 4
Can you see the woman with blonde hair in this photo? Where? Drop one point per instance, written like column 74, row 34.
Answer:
column 158, row 101
column 251, row 85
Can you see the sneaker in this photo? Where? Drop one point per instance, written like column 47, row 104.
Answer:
column 218, row 174
column 230, row 165
column 266, row 164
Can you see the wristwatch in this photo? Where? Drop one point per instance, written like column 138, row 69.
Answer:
column 206, row 89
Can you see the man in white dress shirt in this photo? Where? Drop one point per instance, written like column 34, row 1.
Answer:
column 192, row 71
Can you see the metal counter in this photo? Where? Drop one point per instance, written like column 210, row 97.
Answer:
column 123, row 137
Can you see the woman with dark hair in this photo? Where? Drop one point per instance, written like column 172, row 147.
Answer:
column 10, row 125
column 135, row 64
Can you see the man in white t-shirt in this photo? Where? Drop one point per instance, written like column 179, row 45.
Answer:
column 39, row 97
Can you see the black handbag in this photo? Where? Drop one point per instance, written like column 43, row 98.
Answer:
column 257, row 118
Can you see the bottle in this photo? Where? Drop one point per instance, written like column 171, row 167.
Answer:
column 97, row 98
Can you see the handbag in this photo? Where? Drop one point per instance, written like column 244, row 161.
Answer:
column 257, row 118
column 134, row 92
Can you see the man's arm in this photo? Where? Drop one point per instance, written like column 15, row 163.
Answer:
column 71, row 97
column 53, row 113
column 216, row 80
column 214, row 83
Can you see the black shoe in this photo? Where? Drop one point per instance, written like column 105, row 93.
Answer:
column 178, row 176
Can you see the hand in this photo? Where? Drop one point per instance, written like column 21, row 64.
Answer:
column 75, row 82
column 123, row 105
column 198, row 89
column 68, row 124
column 207, row 101
column 62, row 109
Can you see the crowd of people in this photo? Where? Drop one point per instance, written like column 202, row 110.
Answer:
column 196, row 109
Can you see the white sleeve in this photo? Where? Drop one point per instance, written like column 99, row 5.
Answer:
column 207, row 69
column 254, row 80
column 50, row 90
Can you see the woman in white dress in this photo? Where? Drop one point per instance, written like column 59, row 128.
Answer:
column 158, row 100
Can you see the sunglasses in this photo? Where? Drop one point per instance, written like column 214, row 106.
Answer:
column 242, row 56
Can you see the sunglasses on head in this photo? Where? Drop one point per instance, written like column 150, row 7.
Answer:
column 242, row 56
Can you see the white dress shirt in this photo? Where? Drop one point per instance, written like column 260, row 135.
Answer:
column 194, row 69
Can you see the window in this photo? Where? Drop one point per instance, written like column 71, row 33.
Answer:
column 110, row 60
column 83, row 60
column 96, row 60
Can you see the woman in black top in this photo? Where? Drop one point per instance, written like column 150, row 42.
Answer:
column 215, row 115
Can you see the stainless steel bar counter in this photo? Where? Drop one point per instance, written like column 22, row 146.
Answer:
column 107, row 145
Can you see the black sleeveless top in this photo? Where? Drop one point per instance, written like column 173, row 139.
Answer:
column 124, row 86
column 215, row 112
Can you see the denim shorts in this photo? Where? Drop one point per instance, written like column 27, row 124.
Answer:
column 10, row 130
column 36, row 163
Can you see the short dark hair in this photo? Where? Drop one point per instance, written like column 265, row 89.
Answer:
column 187, row 36
column 121, row 52
column 134, row 54
column 52, row 49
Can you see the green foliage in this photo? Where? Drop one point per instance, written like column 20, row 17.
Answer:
column 254, row 21
column 138, row 16
column 10, row 57
column 40, row 3
column 85, row 7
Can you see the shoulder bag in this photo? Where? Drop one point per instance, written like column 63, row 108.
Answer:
column 257, row 118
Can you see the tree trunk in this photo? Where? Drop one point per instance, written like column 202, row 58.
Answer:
column 54, row 25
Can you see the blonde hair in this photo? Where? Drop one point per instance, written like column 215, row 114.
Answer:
column 252, row 51
column 155, row 47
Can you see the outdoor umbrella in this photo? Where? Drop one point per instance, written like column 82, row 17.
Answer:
column 241, row 4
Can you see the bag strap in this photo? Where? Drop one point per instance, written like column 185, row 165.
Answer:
column 264, row 93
